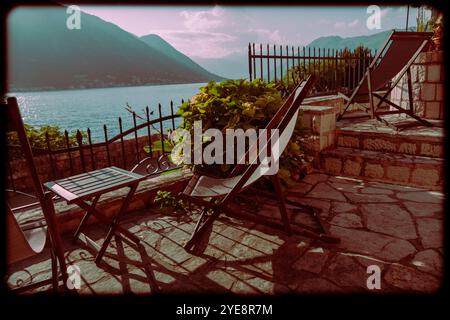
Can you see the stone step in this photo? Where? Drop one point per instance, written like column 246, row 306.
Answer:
column 384, row 166
column 421, row 141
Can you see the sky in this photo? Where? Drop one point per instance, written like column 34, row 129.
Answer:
column 221, row 31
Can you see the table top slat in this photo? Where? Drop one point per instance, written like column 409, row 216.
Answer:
column 91, row 188
column 93, row 183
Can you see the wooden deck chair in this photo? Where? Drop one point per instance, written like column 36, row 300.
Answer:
column 394, row 59
column 26, row 241
column 220, row 191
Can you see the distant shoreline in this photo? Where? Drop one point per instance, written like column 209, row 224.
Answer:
column 31, row 90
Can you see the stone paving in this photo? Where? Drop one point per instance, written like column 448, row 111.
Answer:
column 397, row 228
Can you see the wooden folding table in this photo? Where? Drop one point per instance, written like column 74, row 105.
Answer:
column 81, row 188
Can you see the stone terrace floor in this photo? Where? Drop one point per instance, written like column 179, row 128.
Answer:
column 398, row 228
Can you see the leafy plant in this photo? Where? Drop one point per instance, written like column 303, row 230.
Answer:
column 346, row 70
column 165, row 199
column 37, row 137
column 233, row 104
column 157, row 146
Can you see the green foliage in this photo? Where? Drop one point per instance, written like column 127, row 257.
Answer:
column 233, row 104
column 157, row 146
column 328, row 71
column 166, row 200
column 36, row 137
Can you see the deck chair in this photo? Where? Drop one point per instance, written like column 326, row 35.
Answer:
column 220, row 191
column 395, row 58
column 26, row 241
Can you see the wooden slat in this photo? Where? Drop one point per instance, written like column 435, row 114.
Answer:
column 93, row 183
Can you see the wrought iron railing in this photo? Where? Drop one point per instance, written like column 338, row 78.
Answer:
column 336, row 70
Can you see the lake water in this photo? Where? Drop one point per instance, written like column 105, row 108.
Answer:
column 92, row 108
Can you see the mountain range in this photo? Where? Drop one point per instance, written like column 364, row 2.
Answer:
column 44, row 54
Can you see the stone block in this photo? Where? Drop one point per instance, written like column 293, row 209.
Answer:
column 428, row 92
column 437, row 56
column 398, row 173
column 348, row 141
column 352, row 168
column 421, row 73
column 434, row 73
column 440, row 92
column 374, row 170
column 333, row 165
column 425, row 177
column 428, row 149
column 432, row 110
column 408, row 148
column 378, row 145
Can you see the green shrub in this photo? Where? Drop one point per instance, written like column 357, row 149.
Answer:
column 36, row 137
column 233, row 104
column 165, row 199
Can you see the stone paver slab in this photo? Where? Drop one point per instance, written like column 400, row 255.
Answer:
column 374, row 244
column 389, row 219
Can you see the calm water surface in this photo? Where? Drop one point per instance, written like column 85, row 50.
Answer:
column 91, row 108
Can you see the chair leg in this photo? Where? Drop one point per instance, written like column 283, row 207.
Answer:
column 279, row 193
column 56, row 241
column 204, row 222
column 55, row 276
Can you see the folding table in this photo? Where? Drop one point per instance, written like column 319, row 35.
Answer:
column 81, row 188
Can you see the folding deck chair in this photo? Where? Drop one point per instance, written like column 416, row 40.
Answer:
column 221, row 191
column 395, row 58
column 24, row 241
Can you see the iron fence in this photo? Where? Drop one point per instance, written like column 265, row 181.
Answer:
column 336, row 70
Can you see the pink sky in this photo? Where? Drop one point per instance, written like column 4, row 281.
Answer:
column 204, row 32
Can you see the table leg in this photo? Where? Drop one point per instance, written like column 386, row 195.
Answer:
column 116, row 221
column 106, row 220
column 86, row 217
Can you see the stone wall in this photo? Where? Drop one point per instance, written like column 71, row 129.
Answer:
column 427, row 75
column 58, row 166
column 320, row 125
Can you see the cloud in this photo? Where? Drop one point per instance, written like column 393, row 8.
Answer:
column 200, row 44
column 384, row 12
column 203, row 20
column 264, row 35
column 339, row 24
column 345, row 24
column 353, row 24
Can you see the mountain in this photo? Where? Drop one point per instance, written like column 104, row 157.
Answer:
column 373, row 42
column 159, row 44
column 44, row 54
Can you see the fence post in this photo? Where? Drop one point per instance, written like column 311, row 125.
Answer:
column 50, row 156
column 91, row 150
column 268, row 65
column 147, row 114
column 124, row 159
column 80, row 148
column 161, row 128
column 250, row 61
column 105, row 130
column 66, row 135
